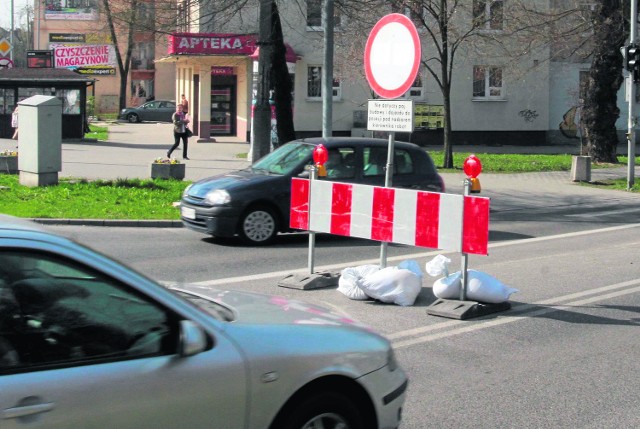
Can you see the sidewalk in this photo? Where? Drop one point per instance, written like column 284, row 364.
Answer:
column 133, row 147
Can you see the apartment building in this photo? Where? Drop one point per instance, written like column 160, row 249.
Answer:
column 495, row 98
column 77, row 33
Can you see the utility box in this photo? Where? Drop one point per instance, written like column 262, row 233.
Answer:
column 40, row 140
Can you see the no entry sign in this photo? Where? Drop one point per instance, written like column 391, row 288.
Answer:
column 392, row 56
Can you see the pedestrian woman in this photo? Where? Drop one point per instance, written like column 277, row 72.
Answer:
column 14, row 123
column 185, row 104
column 180, row 123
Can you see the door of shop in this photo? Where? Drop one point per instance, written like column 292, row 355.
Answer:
column 223, row 106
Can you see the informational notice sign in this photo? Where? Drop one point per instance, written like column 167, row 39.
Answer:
column 390, row 115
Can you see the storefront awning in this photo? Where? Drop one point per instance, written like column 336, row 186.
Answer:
column 206, row 44
column 290, row 54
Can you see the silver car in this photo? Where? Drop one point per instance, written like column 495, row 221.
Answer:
column 156, row 110
column 86, row 342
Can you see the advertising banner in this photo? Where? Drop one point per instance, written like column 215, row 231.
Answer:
column 80, row 10
column 86, row 59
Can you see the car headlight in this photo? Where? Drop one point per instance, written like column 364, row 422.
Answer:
column 123, row 110
column 186, row 190
column 217, row 197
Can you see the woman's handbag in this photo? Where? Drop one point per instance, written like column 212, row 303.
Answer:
column 189, row 132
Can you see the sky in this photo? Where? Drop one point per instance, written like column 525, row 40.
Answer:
column 5, row 12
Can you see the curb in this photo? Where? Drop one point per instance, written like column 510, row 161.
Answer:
column 111, row 222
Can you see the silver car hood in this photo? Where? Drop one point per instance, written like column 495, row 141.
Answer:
column 255, row 308
column 326, row 336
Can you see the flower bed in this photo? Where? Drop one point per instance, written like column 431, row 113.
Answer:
column 165, row 168
column 9, row 162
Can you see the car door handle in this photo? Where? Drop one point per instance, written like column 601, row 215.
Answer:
column 27, row 410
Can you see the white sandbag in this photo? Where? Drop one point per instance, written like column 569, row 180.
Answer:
column 438, row 266
column 448, row 287
column 348, row 281
column 411, row 265
column 481, row 287
column 393, row 285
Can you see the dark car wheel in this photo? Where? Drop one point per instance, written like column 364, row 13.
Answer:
column 327, row 410
column 132, row 117
column 258, row 226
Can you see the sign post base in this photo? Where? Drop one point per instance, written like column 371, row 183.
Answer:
column 461, row 310
column 310, row 281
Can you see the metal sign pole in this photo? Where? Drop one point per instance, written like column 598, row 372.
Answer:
column 631, row 122
column 464, row 256
column 312, row 235
column 388, row 182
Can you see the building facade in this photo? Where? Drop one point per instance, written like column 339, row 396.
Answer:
column 77, row 33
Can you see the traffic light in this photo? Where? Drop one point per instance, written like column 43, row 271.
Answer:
column 632, row 58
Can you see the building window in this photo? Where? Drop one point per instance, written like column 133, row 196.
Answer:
column 314, row 16
column 488, row 14
column 487, row 83
column 413, row 9
column 314, row 84
column 417, row 88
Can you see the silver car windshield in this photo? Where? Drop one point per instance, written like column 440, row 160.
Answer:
column 284, row 159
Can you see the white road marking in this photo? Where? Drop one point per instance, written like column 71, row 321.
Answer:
column 525, row 311
column 604, row 213
column 280, row 274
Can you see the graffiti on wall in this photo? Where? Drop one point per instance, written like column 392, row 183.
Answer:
column 528, row 115
column 569, row 126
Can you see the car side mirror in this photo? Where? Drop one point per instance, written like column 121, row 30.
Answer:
column 193, row 339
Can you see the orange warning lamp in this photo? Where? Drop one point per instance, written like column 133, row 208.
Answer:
column 320, row 157
column 472, row 168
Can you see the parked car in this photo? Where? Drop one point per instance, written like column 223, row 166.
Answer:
column 156, row 110
column 88, row 342
column 254, row 203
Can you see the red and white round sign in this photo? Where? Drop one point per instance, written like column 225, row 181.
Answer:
column 392, row 56
column 6, row 63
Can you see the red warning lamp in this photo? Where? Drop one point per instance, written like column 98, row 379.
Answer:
column 472, row 168
column 320, row 157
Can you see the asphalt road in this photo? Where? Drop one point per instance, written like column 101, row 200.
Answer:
column 564, row 356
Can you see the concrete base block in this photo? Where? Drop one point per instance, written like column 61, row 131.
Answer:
column 581, row 169
column 462, row 310
column 28, row 178
column 310, row 281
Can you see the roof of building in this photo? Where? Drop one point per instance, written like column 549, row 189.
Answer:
column 41, row 75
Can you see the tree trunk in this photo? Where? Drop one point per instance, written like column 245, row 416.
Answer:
column 261, row 139
column 448, row 135
column 281, row 84
column 600, row 111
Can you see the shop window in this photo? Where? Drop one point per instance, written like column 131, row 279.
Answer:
column 70, row 101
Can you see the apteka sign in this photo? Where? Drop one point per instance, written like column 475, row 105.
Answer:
column 212, row 44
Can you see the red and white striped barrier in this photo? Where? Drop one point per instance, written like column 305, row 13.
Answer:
column 404, row 216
